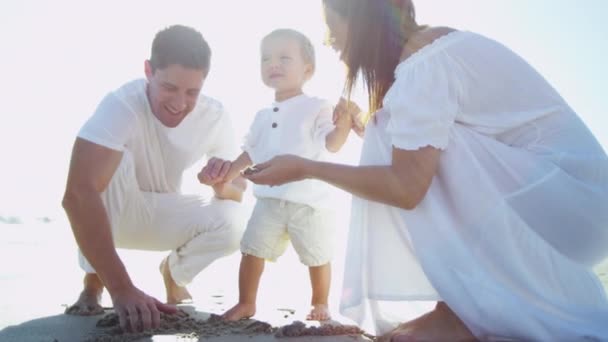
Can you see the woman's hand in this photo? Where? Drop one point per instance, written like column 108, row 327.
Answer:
column 280, row 170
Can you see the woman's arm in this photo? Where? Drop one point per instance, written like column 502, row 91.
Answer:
column 402, row 184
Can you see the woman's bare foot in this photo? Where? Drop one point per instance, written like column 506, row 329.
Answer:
column 439, row 325
column 175, row 294
column 239, row 311
column 89, row 301
column 319, row 312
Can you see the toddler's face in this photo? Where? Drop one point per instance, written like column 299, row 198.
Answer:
column 283, row 66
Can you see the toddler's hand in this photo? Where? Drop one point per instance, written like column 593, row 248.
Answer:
column 214, row 172
column 348, row 110
column 341, row 116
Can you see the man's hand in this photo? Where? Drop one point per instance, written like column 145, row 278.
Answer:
column 215, row 171
column 137, row 311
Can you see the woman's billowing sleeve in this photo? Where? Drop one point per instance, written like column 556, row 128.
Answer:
column 423, row 103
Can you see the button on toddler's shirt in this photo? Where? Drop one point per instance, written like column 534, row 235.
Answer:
column 274, row 124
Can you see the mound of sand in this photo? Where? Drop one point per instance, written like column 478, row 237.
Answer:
column 184, row 325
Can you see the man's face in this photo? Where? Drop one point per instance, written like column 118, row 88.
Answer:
column 173, row 92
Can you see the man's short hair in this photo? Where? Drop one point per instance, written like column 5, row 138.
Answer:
column 181, row 45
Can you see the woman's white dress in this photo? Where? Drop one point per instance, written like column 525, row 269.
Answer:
column 515, row 217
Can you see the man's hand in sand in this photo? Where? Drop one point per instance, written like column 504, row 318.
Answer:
column 215, row 171
column 137, row 311
column 279, row 170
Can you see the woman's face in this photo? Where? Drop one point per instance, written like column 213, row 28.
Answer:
column 338, row 29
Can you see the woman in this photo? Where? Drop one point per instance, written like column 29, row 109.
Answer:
column 477, row 182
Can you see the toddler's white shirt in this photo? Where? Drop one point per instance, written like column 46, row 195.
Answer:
column 299, row 126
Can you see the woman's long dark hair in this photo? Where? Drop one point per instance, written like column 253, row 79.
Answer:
column 377, row 33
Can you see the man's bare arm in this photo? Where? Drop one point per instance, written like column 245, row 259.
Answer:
column 91, row 169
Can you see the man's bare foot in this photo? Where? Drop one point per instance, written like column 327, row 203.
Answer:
column 175, row 294
column 89, row 301
column 439, row 325
column 319, row 312
column 239, row 311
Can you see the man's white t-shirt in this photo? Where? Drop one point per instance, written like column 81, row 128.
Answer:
column 124, row 121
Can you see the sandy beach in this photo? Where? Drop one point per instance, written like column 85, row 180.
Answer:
column 188, row 324
column 40, row 277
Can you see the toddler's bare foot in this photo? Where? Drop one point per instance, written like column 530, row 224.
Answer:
column 239, row 311
column 319, row 312
column 175, row 294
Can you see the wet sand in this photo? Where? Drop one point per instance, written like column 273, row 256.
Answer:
column 187, row 324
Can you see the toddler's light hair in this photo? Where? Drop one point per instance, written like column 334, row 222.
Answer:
column 306, row 47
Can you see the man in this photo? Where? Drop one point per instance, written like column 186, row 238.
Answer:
column 125, row 175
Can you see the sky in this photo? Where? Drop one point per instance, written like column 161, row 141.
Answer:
column 61, row 57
